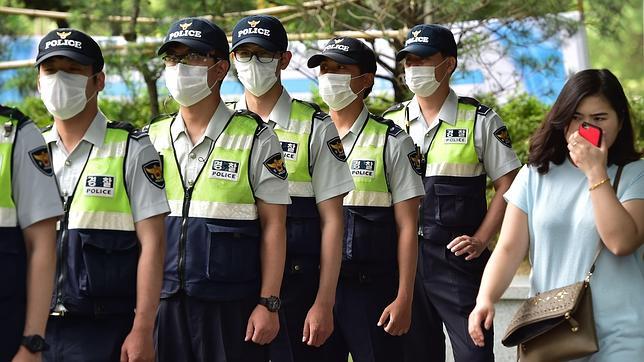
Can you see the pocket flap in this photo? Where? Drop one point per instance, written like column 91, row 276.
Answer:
column 456, row 190
column 248, row 230
column 108, row 242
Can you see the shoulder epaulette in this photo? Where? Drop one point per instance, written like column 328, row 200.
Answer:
column 137, row 134
column 231, row 104
column 394, row 108
column 483, row 110
column 469, row 100
column 393, row 130
column 161, row 117
column 14, row 113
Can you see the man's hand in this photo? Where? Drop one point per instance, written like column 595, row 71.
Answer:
column 318, row 325
column 24, row 355
column 396, row 318
column 138, row 347
column 262, row 326
column 467, row 244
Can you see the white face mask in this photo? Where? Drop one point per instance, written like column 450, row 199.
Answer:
column 257, row 77
column 64, row 93
column 188, row 84
column 335, row 90
column 422, row 79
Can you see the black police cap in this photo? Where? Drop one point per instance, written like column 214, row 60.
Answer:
column 263, row 30
column 425, row 40
column 346, row 51
column 199, row 34
column 70, row 43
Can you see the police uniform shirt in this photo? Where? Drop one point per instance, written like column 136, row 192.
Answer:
column 192, row 158
column 147, row 199
column 34, row 188
column 404, row 183
column 330, row 176
column 496, row 153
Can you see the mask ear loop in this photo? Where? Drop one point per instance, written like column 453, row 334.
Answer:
column 95, row 93
column 356, row 77
column 215, row 83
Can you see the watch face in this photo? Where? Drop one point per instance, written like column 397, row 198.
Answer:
column 274, row 304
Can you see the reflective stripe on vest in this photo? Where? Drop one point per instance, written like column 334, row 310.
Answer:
column 222, row 190
column 366, row 162
column 295, row 140
column 452, row 151
column 8, row 214
column 100, row 199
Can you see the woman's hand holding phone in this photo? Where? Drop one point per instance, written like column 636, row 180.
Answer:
column 588, row 151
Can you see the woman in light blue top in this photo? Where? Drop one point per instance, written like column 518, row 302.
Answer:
column 562, row 203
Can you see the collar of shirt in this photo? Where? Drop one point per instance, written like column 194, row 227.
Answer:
column 281, row 113
column 359, row 122
column 446, row 114
column 213, row 130
column 95, row 133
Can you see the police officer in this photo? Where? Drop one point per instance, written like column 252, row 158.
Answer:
column 318, row 180
column 460, row 141
column 373, row 303
column 227, row 188
column 29, row 206
column 110, row 240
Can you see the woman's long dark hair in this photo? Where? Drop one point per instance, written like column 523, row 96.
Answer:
column 548, row 143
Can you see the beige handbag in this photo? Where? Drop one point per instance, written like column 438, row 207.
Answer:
column 557, row 325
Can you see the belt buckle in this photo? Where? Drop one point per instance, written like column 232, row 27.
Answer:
column 59, row 313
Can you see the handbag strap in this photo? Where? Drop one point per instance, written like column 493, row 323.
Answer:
column 618, row 176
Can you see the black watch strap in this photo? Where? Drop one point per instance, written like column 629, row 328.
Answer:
column 271, row 303
column 34, row 343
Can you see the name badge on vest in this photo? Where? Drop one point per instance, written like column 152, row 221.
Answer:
column 363, row 168
column 289, row 149
column 225, row 170
column 456, row 135
column 102, row 186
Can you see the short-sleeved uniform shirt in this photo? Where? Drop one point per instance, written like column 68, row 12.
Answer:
column 563, row 241
column 330, row 176
column 404, row 183
column 146, row 198
column 34, row 188
column 193, row 157
column 495, row 153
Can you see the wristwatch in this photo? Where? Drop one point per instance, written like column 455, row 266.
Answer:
column 271, row 303
column 34, row 343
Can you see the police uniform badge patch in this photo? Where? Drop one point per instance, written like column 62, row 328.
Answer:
column 102, row 186
column 275, row 165
column 40, row 157
column 289, row 149
column 456, row 135
column 503, row 136
column 154, row 173
column 416, row 160
column 336, row 148
column 224, row 170
column 363, row 168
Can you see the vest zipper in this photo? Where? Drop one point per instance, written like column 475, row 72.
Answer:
column 187, row 196
column 61, row 255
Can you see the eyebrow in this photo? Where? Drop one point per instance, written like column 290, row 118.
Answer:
column 594, row 114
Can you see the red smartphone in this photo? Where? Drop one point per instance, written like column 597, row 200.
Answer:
column 592, row 133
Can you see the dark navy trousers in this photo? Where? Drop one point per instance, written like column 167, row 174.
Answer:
column 299, row 289
column 189, row 329
column 445, row 293
column 360, row 300
column 86, row 338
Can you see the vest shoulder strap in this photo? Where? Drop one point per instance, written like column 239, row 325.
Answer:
column 318, row 113
column 481, row 109
column 395, row 108
column 261, row 126
column 14, row 113
column 393, row 130
column 231, row 104
column 125, row 126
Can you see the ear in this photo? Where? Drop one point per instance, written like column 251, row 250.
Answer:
column 100, row 81
column 451, row 65
column 285, row 59
column 369, row 79
column 221, row 69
